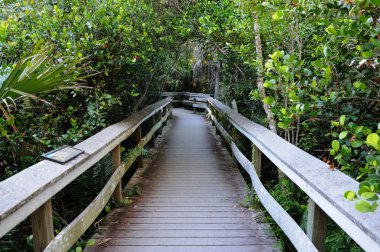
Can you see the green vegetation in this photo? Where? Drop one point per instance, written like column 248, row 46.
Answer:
column 309, row 70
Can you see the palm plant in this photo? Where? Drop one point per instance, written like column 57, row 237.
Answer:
column 36, row 73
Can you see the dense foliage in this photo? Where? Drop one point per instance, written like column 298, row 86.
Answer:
column 307, row 69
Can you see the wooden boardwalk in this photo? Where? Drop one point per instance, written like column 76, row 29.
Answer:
column 190, row 200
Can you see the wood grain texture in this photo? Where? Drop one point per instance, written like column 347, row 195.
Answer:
column 70, row 234
column 295, row 234
column 116, row 161
column 190, row 200
column 316, row 225
column 323, row 186
column 42, row 226
column 46, row 178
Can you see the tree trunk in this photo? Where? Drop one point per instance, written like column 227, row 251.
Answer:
column 260, row 75
column 215, row 79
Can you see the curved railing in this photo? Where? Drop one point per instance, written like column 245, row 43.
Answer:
column 324, row 187
column 29, row 192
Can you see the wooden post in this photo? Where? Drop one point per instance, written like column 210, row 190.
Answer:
column 256, row 156
column 153, row 141
column 171, row 112
column 140, row 160
column 235, row 163
column 116, row 161
column 194, row 108
column 42, row 226
column 159, row 117
column 211, row 113
column 164, row 112
column 234, row 134
column 316, row 225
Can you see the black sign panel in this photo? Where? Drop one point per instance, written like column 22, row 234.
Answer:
column 63, row 154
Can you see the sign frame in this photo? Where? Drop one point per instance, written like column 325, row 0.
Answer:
column 63, row 154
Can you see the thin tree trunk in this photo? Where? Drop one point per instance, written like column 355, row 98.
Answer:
column 215, row 75
column 260, row 75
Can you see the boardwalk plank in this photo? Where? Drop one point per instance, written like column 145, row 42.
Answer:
column 190, row 200
column 261, row 248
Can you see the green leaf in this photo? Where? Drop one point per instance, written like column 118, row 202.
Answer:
column 284, row 69
column 363, row 189
column 375, row 2
column 365, row 207
column 278, row 15
column 90, row 242
column 282, row 125
column 336, row 124
column 356, row 144
column 78, row 249
column 345, row 150
column 335, row 145
column 369, row 196
column 268, row 100
column 107, row 208
column 342, row 120
column 359, row 129
column 373, row 140
column 367, row 54
column 359, row 85
column 350, row 195
column 265, row 4
column 343, row 134
column 331, row 30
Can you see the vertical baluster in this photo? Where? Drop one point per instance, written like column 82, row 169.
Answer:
column 316, row 225
column 256, row 156
column 164, row 112
column 159, row 117
column 235, row 140
column 116, row 161
column 140, row 162
column 42, row 226
column 153, row 122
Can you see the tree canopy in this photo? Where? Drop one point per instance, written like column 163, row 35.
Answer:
column 309, row 70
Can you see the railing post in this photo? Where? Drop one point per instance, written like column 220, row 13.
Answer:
column 316, row 225
column 159, row 117
column 256, row 156
column 42, row 226
column 164, row 112
column 116, row 161
column 140, row 162
column 153, row 141
column 194, row 108
column 235, row 140
column 211, row 112
column 171, row 111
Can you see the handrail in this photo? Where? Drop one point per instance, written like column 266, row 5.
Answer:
column 188, row 99
column 29, row 191
column 323, row 186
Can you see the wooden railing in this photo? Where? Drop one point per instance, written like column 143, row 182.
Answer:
column 324, row 187
column 29, row 192
column 188, row 100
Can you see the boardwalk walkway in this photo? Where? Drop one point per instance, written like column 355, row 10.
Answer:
column 189, row 202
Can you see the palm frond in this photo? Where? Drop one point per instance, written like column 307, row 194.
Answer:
column 36, row 73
